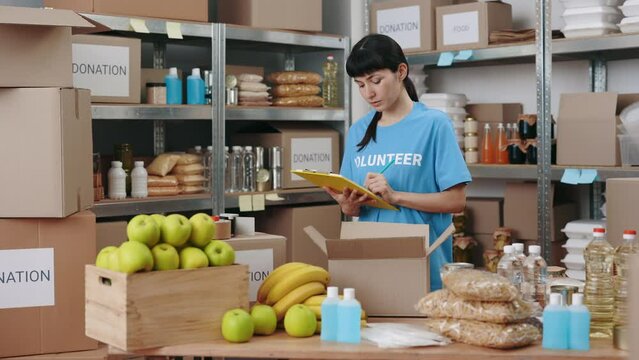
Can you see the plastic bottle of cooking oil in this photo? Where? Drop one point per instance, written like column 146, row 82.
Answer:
column 599, row 292
column 329, row 84
column 623, row 253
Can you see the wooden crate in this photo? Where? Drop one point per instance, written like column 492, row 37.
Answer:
column 161, row 308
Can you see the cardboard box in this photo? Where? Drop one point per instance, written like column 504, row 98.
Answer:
column 41, row 55
column 112, row 233
column 468, row 26
column 494, row 114
column 48, row 157
column 633, row 305
column 290, row 223
column 622, row 198
column 303, row 147
column 262, row 253
column 45, row 314
column 161, row 308
column 109, row 66
column 587, row 116
column 520, row 213
column 190, row 10
column 238, row 70
column 409, row 22
column 304, row 15
column 373, row 257
column 483, row 216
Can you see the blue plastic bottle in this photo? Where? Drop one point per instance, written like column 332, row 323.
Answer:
column 329, row 315
column 349, row 312
column 556, row 321
column 579, row 329
column 173, row 87
column 195, row 88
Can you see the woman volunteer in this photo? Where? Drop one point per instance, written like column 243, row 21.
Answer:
column 427, row 176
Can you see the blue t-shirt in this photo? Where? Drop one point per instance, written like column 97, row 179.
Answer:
column 427, row 160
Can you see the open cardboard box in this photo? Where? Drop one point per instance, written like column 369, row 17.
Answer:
column 371, row 257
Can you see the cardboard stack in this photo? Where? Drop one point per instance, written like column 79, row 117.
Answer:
column 484, row 216
column 46, row 234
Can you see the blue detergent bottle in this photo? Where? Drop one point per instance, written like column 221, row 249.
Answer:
column 579, row 329
column 195, row 88
column 556, row 320
column 329, row 315
column 173, row 87
column 349, row 313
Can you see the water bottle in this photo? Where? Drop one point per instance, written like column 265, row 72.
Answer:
column 534, row 284
column 139, row 181
column 173, row 87
column 329, row 84
column 556, row 321
column 237, row 176
column 195, row 88
column 598, row 291
column 329, row 315
column 349, row 313
column 579, row 327
column 518, row 252
column 117, row 181
column 510, row 267
column 227, row 170
column 248, row 169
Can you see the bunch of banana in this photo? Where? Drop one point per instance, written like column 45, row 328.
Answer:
column 291, row 284
column 315, row 304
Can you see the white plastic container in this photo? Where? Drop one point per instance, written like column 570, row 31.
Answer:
column 139, row 181
column 576, row 246
column 629, row 148
column 582, row 229
column 591, row 30
column 630, row 8
column 443, row 100
column 117, row 181
column 571, row 4
column 629, row 25
column 574, row 262
column 591, row 15
column 576, row 274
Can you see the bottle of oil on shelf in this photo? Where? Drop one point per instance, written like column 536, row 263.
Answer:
column 329, row 84
column 622, row 259
column 599, row 292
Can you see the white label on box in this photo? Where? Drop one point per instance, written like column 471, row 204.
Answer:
column 461, row 28
column 311, row 154
column 104, row 69
column 26, row 278
column 402, row 24
column 260, row 263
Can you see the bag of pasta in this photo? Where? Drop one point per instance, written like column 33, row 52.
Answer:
column 303, row 101
column 498, row 336
column 295, row 77
column 295, row 90
column 471, row 284
column 445, row 304
column 162, row 164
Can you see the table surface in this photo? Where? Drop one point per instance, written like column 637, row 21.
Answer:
column 282, row 346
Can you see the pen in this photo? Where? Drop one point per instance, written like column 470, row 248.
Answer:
column 387, row 166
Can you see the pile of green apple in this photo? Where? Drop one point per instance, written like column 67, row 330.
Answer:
column 158, row 242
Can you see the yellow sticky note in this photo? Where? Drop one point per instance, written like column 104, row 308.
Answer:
column 139, row 26
column 258, row 202
column 174, row 30
column 246, row 203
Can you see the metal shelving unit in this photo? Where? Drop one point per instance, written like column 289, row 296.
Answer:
column 221, row 38
column 285, row 197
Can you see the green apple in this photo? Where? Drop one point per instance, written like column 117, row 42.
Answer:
column 165, row 257
column 176, row 230
column 142, row 228
column 237, row 326
column 203, row 229
column 193, row 258
column 102, row 260
column 134, row 256
column 159, row 219
column 113, row 260
column 220, row 253
column 300, row 321
column 264, row 319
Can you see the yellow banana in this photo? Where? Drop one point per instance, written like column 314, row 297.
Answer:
column 295, row 279
column 274, row 277
column 318, row 311
column 318, row 330
column 297, row 296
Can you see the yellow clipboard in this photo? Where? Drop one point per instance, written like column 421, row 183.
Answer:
column 339, row 183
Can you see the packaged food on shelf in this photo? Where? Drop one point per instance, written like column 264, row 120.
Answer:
column 491, row 260
column 445, row 304
column 303, row 101
column 187, row 159
column 253, row 86
column 463, row 247
column 295, row 77
column 582, row 229
column 291, row 90
column 585, row 16
column 163, row 164
column 164, row 190
column 498, row 336
column 630, row 8
column 480, row 285
column 191, row 169
column 589, row 30
column 191, row 189
column 195, row 179
column 162, row 181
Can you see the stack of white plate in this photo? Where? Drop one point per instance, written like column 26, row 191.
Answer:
column 453, row 105
column 579, row 235
column 587, row 18
column 630, row 23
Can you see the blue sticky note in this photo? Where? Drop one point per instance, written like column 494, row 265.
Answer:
column 571, row 176
column 464, row 55
column 588, row 176
column 445, row 59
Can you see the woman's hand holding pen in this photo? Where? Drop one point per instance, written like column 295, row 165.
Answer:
column 378, row 184
column 350, row 200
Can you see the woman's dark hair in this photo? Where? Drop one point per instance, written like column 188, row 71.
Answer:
column 372, row 53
